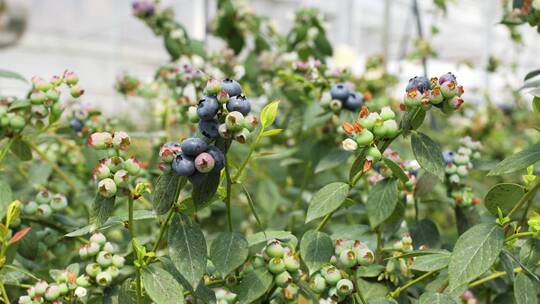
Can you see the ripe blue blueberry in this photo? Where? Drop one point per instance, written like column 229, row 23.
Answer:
column 231, row 86
column 183, row 166
column 240, row 104
column 76, row 125
column 420, row 83
column 339, row 91
column 209, row 128
column 448, row 157
column 218, row 156
column 353, row 102
column 193, row 146
column 208, row 108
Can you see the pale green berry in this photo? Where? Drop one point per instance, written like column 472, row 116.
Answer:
column 98, row 238
column 63, row 288
column 387, row 113
column 368, row 122
column 234, row 121
column 364, row 138
column 40, row 288
column 318, row 283
column 104, row 278
column 242, row 136
column 92, row 269
column 380, row 130
column 44, row 211
column 336, row 105
column 30, row 208
column 283, row 279
column 347, row 258
column 104, row 258
column 52, row 293
column 118, row 261
column 274, row 249
column 43, row 197
column 58, row 202
column 331, row 274
column 113, row 271
column 107, row 187
column 83, row 281
column 292, row 262
column 290, row 291
column 25, row 300
column 132, row 166
column 92, row 249
column 344, row 287
column 108, row 247
column 121, row 178
column 374, row 154
column 392, row 128
column 276, row 265
column 80, row 292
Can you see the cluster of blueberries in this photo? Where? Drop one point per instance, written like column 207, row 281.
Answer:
column 443, row 93
column 193, row 158
column 114, row 175
column 368, row 128
column 105, row 266
column 459, row 163
column 284, row 263
column 44, row 99
column 341, row 97
column 334, row 281
column 399, row 266
column 68, row 285
column 45, row 203
column 224, row 112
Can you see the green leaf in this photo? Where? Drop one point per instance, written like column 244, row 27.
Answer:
column 436, row 298
column 425, row 232
column 369, row 271
column 372, row 292
column 39, row 173
column 21, row 149
column 254, row 285
column 167, row 189
column 173, row 46
column 12, row 75
column 126, row 294
column 203, row 293
column 503, row 196
column 518, row 161
column 268, row 114
column 161, row 286
column 474, row 253
column 529, row 254
column 428, row 154
column 382, row 200
column 19, row 104
column 228, row 251
column 204, row 192
column 381, row 300
column 413, row 120
column 187, row 249
column 6, row 197
column 536, row 105
column 103, row 208
column 525, row 290
column 531, row 74
column 316, row 249
column 397, row 171
column 264, row 236
column 331, row 160
column 326, row 200
column 431, row 262
column 272, row 132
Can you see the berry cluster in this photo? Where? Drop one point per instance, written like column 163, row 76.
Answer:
column 40, row 108
column 84, row 120
column 193, row 158
column 114, row 173
column 409, row 167
column 283, row 262
column 341, row 97
column 368, row 128
column 45, row 203
column 443, row 93
column 399, row 267
column 334, row 281
column 105, row 265
column 224, row 112
column 459, row 163
column 127, row 84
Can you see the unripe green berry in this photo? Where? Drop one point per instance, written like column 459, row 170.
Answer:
column 17, row 122
column 58, row 202
column 387, row 113
column 391, row 127
column 63, row 287
column 344, row 287
column 52, row 293
column 234, row 121
column 347, row 258
column 80, row 292
column 258, row 261
column 132, row 166
column 331, row 274
column 83, row 281
column 318, row 283
column 38, row 97
column 107, row 187
column 113, row 271
column 98, row 238
column 290, row 291
column 283, row 279
column 292, row 262
column 242, row 136
column 30, row 208
column 121, row 178
column 274, row 249
column 276, row 265
column 44, row 211
column 336, row 105
column 364, row 138
column 92, row 249
column 92, row 269
column 118, row 261
column 374, row 154
column 40, row 288
column 53, row 95
column 380, row 130
column 108, row 247
column 25, row 300
column 104, row 259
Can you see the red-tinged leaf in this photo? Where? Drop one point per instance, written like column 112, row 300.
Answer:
column 19, row 235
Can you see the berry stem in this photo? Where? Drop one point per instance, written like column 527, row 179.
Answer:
column 521, row 234
column 55, row 167
column 251, row 150
column 228, row 196
column 6, row 148
column 525, row 198
column 131, row 229
column 401, row 289
column 162, row 229
column 4, row 292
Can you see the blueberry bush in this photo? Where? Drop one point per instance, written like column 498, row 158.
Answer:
column 263, row 175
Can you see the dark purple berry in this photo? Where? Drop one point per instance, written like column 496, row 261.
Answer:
column 209, row 128
column 353, row 102
column 218, row 156
column 339, row 91
column 447, row 77
column 193, row 146
column 231, row 86
column 240, row 104
column 207, row 108
column 76, row 124
column 420, row 83
column 183, row 166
